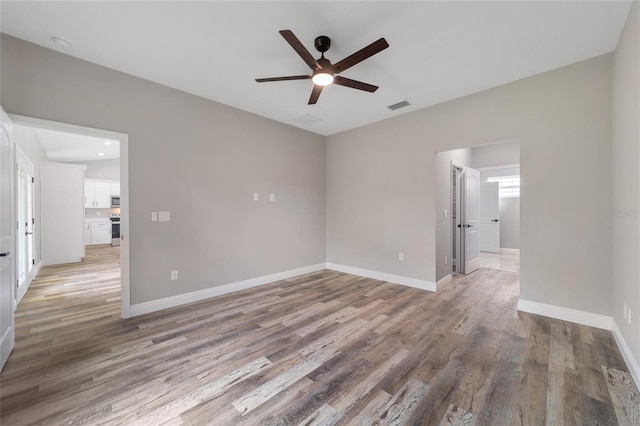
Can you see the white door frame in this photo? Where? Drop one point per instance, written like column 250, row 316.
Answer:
column 125, row 277
column 456, row 225
column 7, row 337
column 22, row 161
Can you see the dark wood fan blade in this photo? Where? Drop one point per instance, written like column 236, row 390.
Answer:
column 361, row 55
column 300, row 49
column 291, row 77
column 315, row 94
column 354, row 84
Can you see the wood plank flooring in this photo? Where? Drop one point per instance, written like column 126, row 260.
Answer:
column 321, row 349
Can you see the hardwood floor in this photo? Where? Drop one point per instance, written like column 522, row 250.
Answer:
column 323, row 348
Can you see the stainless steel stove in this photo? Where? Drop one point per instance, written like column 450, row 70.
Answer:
column 115, row 229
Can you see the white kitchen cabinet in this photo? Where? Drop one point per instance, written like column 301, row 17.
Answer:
column 87, row 233
column 89, row 194
column 115, row 189
column 97, row 195
column 100, row 233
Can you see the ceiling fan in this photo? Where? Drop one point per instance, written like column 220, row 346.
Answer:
column 324, row 73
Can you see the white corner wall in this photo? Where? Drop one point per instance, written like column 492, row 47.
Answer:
column 624, row 210
column 62, row 213
column 381, row 185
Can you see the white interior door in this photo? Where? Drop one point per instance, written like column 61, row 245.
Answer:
column 25, row 221
column 471, row 219
column 7, row 249
column 490, row 217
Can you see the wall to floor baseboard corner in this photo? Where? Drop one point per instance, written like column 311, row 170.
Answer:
column 565, row 314
column 196, row 296
column 383, row 276
column 586, row 318
column 632, row 362
column 444, row 280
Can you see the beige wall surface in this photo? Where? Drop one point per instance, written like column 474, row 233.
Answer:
column 381, row 186
column 625, row 209
column 499, row 154
column 198, row 159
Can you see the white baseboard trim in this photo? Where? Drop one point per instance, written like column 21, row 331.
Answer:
column 565, row 314
column 36, row 269
column 509, row 251
column 196, row 296
column 383, row 276
column 632, row 363
column 444, row 280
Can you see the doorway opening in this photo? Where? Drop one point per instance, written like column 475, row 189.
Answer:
column 477, row 204
column 94, row 162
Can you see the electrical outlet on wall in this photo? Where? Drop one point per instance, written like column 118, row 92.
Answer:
column 174, row 275
column 629, row 316
column 446, row 260
column 625, row 311
column 401, row 257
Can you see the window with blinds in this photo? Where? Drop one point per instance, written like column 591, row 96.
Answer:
column 509, row 186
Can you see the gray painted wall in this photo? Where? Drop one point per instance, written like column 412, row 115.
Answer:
column 198, row 159
column 626, row 180
column 443, row 201
column 27, row 139
column 381, row 185
column 500, row 154
column 509, row 211
column 101, row 169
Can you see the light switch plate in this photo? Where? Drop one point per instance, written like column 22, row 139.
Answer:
column 164, row 216
column 272, row 197
column 154, row 216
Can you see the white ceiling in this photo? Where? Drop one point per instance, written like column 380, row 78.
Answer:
column 438, row 50
column 66, row 147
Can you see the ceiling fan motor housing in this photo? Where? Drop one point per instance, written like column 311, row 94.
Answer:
column 322, row 43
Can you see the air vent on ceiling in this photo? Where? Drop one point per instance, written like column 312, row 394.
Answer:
column 307, row 119
column 399, row 105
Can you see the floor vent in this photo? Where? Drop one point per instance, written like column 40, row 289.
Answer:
column 307, row 119
column 399, row 105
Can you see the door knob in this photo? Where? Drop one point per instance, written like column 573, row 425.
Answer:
column 28, row 233
column 5, row 254
column 494, row 220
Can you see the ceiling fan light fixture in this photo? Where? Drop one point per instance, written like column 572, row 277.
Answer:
column 322, row 79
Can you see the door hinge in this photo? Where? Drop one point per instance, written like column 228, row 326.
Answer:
column 33, row 220
column 33, row 261
column 33, row 179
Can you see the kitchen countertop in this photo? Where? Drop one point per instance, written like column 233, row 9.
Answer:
column 97, row 220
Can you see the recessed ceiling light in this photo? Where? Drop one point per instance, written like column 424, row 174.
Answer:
column 61, row 42
column 100, row 154
column 107, row 143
